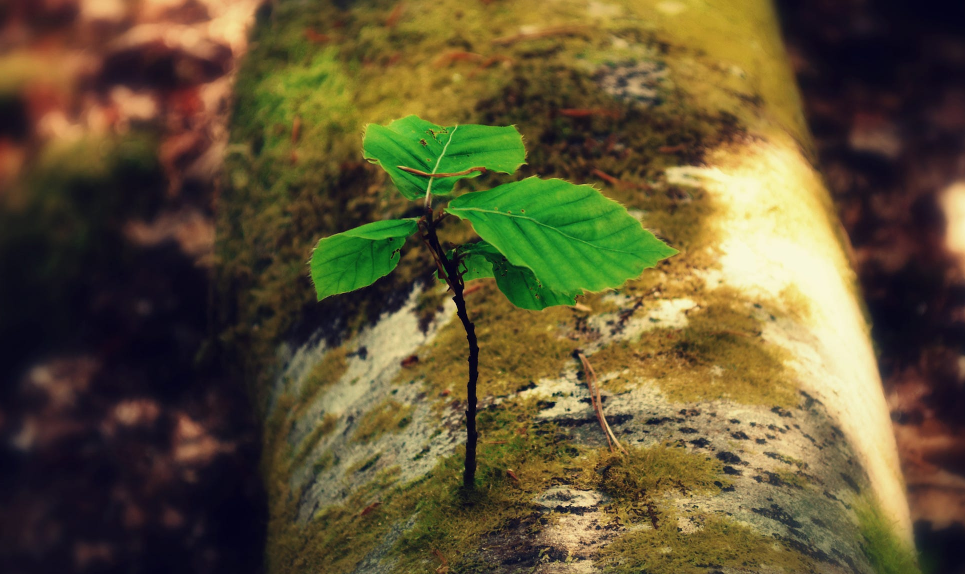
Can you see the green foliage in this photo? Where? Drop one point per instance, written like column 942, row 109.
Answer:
column 546, row 241
column 417, row 144
column 356, row 258
column 520, row 285
column 570, row 236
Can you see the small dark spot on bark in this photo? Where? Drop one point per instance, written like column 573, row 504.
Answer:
column 851, row 483
column 728, row 457
column 777, row 513
column 615, row 420
column 526, row 387
column 740, row 435
column 689, row 412
column 543, row 405
column 781, row 412
column 809, row 401
column 836, row 499
column 657, row 421
column 735, row 421
column 846, row 559
column 688, row 430
column 572, row 422
column 760, row 441
column 700, row 442
column 808, row 550
column 732, row 471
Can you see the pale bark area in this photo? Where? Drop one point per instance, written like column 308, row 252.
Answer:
column 794, row 467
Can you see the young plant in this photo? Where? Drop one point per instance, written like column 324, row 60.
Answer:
column 544, row 241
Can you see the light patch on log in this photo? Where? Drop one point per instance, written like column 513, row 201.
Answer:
column 778, row 237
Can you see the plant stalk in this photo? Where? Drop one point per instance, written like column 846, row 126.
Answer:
column 451, row 270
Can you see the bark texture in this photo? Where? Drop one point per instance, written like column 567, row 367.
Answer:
column 739, row 374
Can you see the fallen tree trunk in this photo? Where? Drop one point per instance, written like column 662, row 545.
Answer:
column 738, row 374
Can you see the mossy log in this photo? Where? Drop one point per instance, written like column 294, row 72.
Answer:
column 739, row 373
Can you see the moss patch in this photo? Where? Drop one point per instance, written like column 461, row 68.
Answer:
column 323, row 375
column 718, row 543
column 323, row 428
column 658, row 469
column 886, row 551
column 719, row 354
column 506, row 337
column 390, row 416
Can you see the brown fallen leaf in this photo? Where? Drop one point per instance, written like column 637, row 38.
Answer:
column 370, row 508
column 395, row 15
column 317, row 37
column 444, row 568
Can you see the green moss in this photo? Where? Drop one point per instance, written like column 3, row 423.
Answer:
column 885, row 549
column 792, row 478
column 390, row 416
column 654, row 470
column 323, row 462
column 323, row 375
column 718, row 543
column 323, row 428
column 363, row 465
column 719, row 354
column 505, row 334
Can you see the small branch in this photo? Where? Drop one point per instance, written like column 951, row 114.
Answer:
column 438, row 175
column 566, row 30
column 594, row 388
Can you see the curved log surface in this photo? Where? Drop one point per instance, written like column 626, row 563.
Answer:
column 739, row 373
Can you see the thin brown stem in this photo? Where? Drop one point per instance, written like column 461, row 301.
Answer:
column 597, row 402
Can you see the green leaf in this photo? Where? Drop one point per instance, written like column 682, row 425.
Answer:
column 570, row 236
column 518, row 284
column 356, row 258
column 417, row 144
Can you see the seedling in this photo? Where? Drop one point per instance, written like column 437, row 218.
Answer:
column 544, row 241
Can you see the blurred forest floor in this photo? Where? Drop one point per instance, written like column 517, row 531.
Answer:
column 126, row 449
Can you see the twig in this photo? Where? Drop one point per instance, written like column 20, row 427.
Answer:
column 437, row 175
column 457, row 56
column 591, row 383
column 618, row 182
column 567, row 30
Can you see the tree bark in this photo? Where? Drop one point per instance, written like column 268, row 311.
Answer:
column 739, row 374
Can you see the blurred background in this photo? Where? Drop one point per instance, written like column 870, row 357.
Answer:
column 123, row 445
